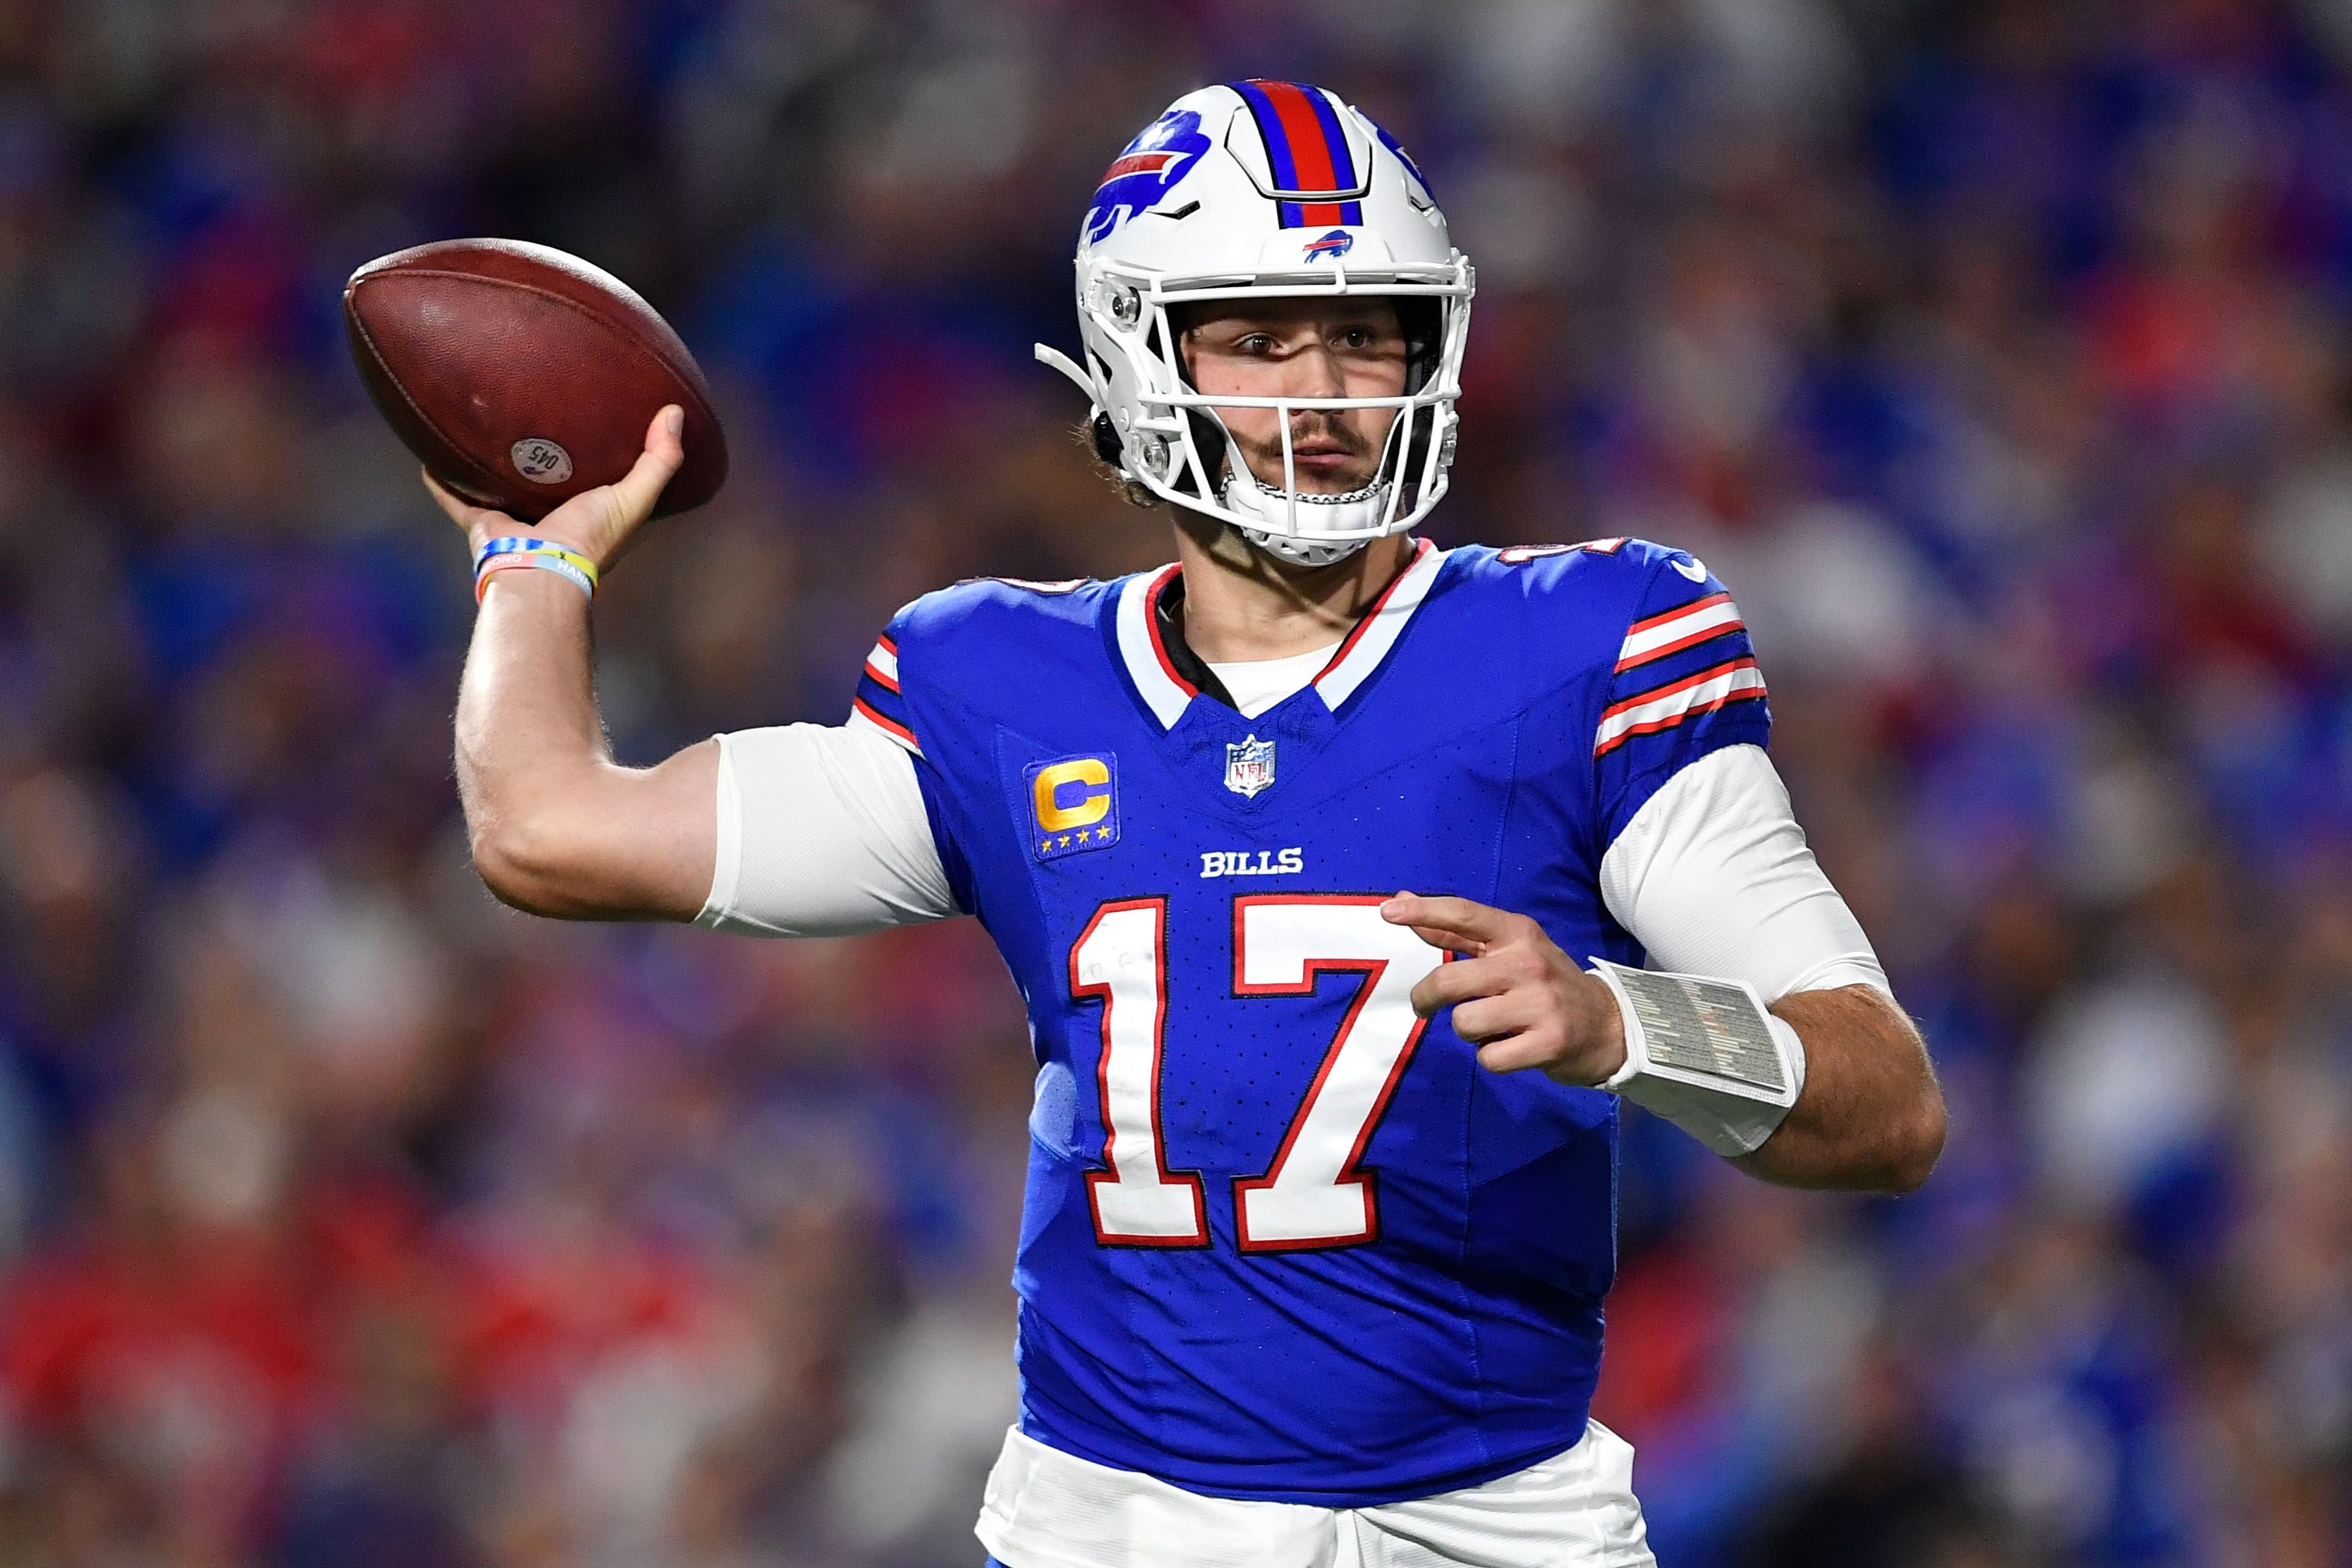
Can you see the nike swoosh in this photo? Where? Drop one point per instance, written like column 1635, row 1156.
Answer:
column 1695, row 570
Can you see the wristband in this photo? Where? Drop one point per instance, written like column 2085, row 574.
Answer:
column 1703, row 1053
column 521, row 550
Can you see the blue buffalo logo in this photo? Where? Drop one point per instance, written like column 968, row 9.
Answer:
column 1153, row 164
column 1412, row 168
column 1335, row 245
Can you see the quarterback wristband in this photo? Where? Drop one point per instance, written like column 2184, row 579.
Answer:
column 517, row 550
column 1703, row 1053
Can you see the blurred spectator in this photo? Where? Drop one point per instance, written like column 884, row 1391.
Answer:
column 1996, row 355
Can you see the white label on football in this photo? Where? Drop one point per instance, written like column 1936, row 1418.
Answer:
column 540, row 461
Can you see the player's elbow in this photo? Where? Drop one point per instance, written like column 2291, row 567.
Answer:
column 521, row 860
column 1917, row 1143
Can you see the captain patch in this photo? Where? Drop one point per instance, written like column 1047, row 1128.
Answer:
column 1073, row 805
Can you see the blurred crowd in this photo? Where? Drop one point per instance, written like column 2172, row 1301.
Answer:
column 1997, row 355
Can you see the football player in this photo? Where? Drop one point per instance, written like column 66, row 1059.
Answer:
column 1320, row 1208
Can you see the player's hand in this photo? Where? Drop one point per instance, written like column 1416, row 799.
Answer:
column 598, row 523
column 1515, row 995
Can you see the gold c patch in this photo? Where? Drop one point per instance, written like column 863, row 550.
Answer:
column 1073, row 805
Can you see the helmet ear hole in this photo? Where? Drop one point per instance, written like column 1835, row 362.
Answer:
column 1105, row 439
column 1421, row 429
column 1423, row 324
column 1209, row 441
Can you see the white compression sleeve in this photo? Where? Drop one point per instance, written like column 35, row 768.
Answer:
column 1713, row 877
column 822, row 833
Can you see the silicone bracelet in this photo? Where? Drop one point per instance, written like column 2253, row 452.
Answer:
column 524, row 544
column 545, row 562
column 521, row 549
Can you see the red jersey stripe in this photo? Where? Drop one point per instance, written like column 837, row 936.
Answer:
column 1671, row 688
column 1151, row 625
column 1651, row 726
column 1364, row 621
column 1662, row 617
column 1704, row 634
column 881, row 721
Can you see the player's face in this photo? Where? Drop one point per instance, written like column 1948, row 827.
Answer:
column 1303, row 348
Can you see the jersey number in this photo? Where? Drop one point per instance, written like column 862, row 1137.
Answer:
column 1312, row 1196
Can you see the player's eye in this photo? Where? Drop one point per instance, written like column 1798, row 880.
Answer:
column 1257, row 343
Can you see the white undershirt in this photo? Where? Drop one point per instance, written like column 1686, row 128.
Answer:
column 1257, row 684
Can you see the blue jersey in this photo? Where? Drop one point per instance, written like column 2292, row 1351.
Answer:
column 1284, row 1240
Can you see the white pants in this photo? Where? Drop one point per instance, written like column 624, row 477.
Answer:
column 1046, row 1509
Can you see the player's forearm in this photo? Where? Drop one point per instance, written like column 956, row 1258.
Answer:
column 1870, row 1118
column 556, row 826
column 528, row 735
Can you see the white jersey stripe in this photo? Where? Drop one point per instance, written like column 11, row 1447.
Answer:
column 885, row 664
column 1669, row 706
column 1159, row 690
column 1656, row 638
column 1361, row 653
column 1358, row 657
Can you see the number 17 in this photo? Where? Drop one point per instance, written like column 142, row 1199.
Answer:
column 1312, row 1196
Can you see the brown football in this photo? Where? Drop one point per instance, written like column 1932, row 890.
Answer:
column 522, row 376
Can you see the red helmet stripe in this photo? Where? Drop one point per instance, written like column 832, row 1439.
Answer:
column 1138, row 163
column 1310, row 150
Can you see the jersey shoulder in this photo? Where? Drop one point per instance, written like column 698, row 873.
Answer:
column 965, row 656
column 983, row 634
column 1591, row 581
column 1576, row 605
column 979, row 610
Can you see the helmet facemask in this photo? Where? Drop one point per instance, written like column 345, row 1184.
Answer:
column 1173, row 441
column 1368, row 512
column 1221, row 201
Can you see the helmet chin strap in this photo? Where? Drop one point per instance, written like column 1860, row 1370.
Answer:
column 1358, row 508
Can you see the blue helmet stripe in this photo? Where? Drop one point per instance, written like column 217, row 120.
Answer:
column 1270, row 131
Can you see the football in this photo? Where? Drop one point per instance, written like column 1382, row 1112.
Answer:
column 522, row 376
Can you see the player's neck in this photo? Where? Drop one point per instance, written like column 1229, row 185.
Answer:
column 1240, row 604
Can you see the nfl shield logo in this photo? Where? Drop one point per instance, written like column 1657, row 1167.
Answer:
column 1249, row 766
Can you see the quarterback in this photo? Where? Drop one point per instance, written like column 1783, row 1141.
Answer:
column 1351, row 883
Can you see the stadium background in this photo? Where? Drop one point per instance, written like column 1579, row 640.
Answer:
column 1996, row 355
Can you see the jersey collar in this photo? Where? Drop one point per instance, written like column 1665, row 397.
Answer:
column 1168, row 675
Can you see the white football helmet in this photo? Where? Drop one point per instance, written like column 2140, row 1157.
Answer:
column 1246, row 191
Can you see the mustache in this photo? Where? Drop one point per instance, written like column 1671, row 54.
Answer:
column 1316, row 424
